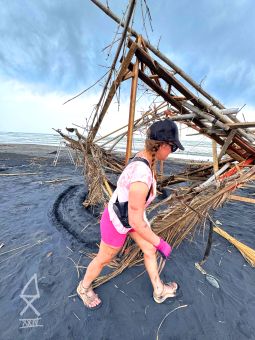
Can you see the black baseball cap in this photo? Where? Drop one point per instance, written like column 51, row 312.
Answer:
column 165, row 131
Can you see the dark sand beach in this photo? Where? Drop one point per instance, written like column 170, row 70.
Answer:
column 46, row 230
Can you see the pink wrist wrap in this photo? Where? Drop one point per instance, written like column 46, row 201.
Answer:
column 164, row 248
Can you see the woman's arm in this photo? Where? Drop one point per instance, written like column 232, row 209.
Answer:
column 136, row 207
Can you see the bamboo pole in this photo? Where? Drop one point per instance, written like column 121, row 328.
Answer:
column 123, row 127
column 206, row 116
column 241, row 125
column 137, row 124
column 126, row 26
column 132, row 110
column 111, row 133
column 113, row 90
column 230, row 112
column 117, row 141
column 224, row 119
column 215, row 157
column 161, row 171
column 107, row 186
column 188, row 116
column 228, row 141
column 242, row 199
column 211, row 179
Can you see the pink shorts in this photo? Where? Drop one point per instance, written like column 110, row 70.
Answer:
column 109, row 234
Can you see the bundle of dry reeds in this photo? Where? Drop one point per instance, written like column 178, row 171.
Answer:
column 96, row 161
column 247, row 252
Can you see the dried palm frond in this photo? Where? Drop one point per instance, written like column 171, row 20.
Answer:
column 96, row 161
column 247, row 252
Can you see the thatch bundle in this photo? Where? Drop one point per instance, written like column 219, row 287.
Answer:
column 247, row 252
column 96, row 162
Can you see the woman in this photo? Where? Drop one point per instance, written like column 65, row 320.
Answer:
column 137, row 185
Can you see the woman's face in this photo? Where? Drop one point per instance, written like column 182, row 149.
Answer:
column 163, row 152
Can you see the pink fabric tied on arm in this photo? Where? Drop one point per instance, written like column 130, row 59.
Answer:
column 164, row 248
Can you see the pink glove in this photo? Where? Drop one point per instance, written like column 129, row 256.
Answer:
column 164, row 248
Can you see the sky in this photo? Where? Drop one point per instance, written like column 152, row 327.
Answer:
column 52, row 50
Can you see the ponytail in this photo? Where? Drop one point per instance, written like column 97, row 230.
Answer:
column 152, row 146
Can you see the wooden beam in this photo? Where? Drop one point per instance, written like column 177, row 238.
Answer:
column 215, row 158
column 179, row 98
column 116, row 57
column 218, row 132
column 128, row 75
column 206, row 116
column 242, row 199
column 228, row 141
column 132, row 111
column 156, row 68
column 187, row 116
column 200, row 103
column 232, row 111
column 241, row 125
column 113, row 89
column 154, row 76
column 250, row 149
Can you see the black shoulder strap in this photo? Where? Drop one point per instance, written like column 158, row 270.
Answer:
column 140, row 159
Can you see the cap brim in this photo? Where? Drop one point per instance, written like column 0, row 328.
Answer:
column 180, row 146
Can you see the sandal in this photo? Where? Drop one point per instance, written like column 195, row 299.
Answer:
column 87, row 300
column 159, row 298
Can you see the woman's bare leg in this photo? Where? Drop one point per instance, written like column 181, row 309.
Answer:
column 151, row 265
column 104, row 257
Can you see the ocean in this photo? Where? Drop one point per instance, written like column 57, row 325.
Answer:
column 199, row 149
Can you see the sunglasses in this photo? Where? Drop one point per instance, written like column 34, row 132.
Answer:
column 174, row 147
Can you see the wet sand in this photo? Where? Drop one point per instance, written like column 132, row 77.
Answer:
column 48, row 219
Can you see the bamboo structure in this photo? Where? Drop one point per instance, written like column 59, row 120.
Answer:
column 191, row 106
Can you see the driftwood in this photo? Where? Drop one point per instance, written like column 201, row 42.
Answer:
column 21, row 174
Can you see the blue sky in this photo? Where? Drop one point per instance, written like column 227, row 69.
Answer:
column 51, row 50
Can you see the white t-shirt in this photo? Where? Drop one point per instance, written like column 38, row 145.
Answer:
column 135, row 171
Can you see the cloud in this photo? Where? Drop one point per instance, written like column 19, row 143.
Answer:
column 26, row 111
column 23, row 110
column 49, row 44
column 51, row 50
column 211, row 39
